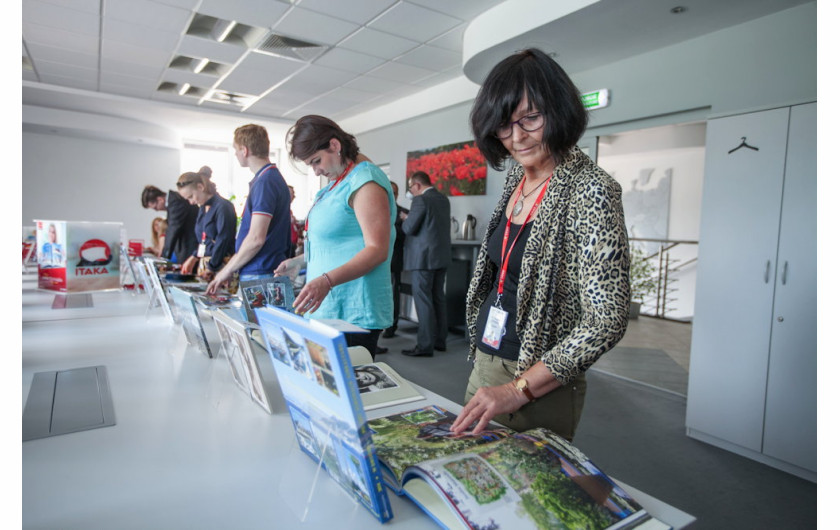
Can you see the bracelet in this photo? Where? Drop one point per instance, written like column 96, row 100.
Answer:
column 329, row 282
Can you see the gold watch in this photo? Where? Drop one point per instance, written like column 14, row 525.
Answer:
column 521, row 384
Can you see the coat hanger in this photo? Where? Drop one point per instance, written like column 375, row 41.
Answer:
column 743, row 144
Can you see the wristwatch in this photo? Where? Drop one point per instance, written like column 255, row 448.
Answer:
column 521, row 384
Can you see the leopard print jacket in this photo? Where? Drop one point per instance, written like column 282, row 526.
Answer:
column 573, row 297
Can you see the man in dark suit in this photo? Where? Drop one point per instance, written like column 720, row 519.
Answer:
column 396, row 263
column 180, row 217
column 428, row 252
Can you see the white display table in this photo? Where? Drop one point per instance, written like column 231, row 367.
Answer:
column 189, row 449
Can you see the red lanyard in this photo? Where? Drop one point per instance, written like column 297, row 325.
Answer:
column 321, row 196
column 506, row 257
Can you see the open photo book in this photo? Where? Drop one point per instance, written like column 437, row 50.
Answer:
column 499, row 478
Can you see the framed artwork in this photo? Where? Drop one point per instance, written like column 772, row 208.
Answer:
column 454, row 169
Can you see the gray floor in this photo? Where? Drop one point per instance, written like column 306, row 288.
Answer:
column 633, row 426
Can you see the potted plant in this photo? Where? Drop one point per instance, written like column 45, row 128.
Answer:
column 642, row 280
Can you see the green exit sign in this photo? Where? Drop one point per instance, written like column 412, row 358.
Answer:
column 596, row 100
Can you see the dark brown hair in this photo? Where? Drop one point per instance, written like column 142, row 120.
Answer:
column 313, row 133
column 150, row 194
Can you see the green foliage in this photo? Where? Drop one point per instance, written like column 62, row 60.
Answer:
column 642, row 280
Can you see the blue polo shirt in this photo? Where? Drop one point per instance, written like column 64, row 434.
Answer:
column 268, row 195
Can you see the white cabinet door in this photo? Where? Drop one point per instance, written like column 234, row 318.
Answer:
column 739, row 229
column 790, row 430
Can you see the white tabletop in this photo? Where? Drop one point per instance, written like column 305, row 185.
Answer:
column 189, row 449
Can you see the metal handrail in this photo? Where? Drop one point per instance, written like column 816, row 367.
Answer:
column 665, row 267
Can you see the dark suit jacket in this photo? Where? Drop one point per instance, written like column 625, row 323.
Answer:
column 399, row 243
column 180, row 234
column 428, row 242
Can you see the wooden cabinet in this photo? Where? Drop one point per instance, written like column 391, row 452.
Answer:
column 752, row 381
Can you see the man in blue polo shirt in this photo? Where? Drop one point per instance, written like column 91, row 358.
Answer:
column 264, row 236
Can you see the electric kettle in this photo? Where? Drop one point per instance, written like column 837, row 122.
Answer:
column 468, row 230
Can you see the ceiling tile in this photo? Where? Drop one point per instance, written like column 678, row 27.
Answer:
column 143, row 83
column 402, row 73
column 136, row 54
column 132, row 91
column 313, row 27
column 440, row 77
column 373, row 84
column 187, row 76
column 258, row 73
column 463, row 9
column 121, row 67
column 348, row 60
column 358, row 11
column 316, row 80
column 269, row 108
column 148, row 37
column 431, row 58
column 61, row 55
column 351, row 95
column 66, row 70
column 378, row 44
column 148, row 13
column 60, row 38
column 414, row 22
column 59, row 16
column 451, row 40
column 72, row 82
column 88, row 6
column 257, row 13
column 183, row 4
column 29, row 75
column 210, row 49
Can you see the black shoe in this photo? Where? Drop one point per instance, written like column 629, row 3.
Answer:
column 415, row 352
column 440, row 348
column 380, row 349
column 388, row 333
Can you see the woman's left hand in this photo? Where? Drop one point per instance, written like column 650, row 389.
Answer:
column 488, row 402
column 311, row 296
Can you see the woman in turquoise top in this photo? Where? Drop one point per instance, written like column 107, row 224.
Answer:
column 349, row 233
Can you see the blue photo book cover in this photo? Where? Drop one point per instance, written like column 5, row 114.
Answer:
column 319, row 386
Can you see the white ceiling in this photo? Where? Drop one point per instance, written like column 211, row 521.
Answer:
column 133, row 57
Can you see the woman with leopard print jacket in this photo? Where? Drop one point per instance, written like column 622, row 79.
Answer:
column 550, row 292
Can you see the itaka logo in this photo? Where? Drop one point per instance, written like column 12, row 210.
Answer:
column 94, row 252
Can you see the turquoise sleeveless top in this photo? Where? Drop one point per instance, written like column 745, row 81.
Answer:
column 334, row 237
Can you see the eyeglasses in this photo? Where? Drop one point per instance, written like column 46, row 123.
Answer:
column 530, row 123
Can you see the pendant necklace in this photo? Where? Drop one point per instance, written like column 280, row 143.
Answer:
column 517, row 206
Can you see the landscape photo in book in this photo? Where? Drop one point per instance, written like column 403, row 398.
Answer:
column 499, row 479
column 317, row 381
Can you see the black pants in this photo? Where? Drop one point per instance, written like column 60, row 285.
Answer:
column 395, row 289
column 368, row 340
column 429, row 299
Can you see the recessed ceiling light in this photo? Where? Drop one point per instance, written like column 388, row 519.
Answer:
column 184, row 89
column 200, row 66
column 677, row 10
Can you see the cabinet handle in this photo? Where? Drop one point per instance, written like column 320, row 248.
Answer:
column 784, row 274
column 767, row 272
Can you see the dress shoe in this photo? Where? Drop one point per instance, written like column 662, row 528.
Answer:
column 380, row 349
column 440, row 348
column 415, row 352
column 388, row 333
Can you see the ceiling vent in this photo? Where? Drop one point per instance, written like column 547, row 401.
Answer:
column 231, row 98
column 198, row 66
column 181, row 89
column 224, row 31
column 282, row 46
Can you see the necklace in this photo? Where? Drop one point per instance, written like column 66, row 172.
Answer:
column 517, row 206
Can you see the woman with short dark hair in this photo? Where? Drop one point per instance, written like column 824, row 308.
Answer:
column 550, row 292
column 349, row 233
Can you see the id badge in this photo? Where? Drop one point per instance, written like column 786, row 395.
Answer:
column 495, row 328
column 202, row 248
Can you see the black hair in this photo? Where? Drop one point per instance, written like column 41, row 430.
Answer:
column 549, row 89
column 421, row 177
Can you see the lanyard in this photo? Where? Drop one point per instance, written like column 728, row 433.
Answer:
column 321, row 196
column 506, row 257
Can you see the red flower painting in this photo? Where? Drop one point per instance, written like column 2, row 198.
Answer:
column 454, row 169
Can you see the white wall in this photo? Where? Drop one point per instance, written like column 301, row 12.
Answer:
column 88, row 179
